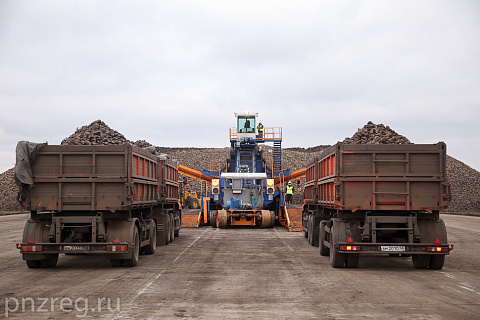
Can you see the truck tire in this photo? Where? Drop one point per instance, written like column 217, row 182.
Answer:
column 315, row 229
column 38, row 231
column 50, row 262
column 222, row 218
column 431, row 230
column 337, row 259
column 133, row 261
column 437, row 262
column 33, row 263
column 152, row 246
column 305, row 230
column 116, row 263
column 324, row 250
column 421, row 261
column 169, row 229
column 309, row 229
column 162, row 230
column 172, row 227
column 176, row 232
column 351, row 260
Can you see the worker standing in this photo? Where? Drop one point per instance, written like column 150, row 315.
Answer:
column 260, row 130
column 289, row 193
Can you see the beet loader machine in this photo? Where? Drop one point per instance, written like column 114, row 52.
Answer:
column 247, row 187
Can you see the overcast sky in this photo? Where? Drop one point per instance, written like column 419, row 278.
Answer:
column 174, row 72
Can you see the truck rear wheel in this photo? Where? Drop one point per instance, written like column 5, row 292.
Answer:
column 305, row 230
column 421, row 261
column 176, row 232
column 162, row 229
column 324, row 250
column 133, row 261
column 169, row 229
column 172, row 227
column 309, row 229
column 152, row 246
column 351, row 260
column 116, row 263
column 337, row 259
column 50, row 262
column 314, row 231
column 437, row 262
column 33, row 263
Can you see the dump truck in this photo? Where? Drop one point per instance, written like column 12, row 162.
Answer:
column 114, row 200
column 378, row 199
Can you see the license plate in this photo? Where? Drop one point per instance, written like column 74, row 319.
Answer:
column 393, row 248
column 75, row 248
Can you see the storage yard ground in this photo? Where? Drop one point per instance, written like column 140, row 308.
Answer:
column 210, row 273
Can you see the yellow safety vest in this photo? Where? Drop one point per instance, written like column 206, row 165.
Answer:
column 289, row 189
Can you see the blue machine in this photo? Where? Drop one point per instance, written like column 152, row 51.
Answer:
column 243, row 191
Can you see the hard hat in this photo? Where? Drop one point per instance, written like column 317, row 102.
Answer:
column 289, row 182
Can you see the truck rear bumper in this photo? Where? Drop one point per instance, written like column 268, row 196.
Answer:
column 395, row 248
column 40, row 249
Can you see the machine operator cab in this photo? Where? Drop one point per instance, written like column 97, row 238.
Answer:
column 246, row 124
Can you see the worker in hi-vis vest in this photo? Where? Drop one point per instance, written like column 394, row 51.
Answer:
column 260, row 130
column 289, row 193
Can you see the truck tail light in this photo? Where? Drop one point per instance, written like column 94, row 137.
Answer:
column 437, row 249
column 28, row 248
column 117, row 248
column 350, row 248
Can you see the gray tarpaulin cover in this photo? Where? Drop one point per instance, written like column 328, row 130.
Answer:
column 26, row 153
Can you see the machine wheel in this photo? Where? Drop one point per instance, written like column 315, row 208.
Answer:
column 213, row 218
column 172, row 227
column 337, row 259
column 437, row 262
column 421, row 261
column 324, row 250
column 351, row 260
column 33, row 263
column 272, row 215
column 151, row 247
column 162, row 234
column 133, row 261
column 266, row 219
column 222, row 218
column 195, row 204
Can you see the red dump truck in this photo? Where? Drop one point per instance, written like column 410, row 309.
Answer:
column 378, row 199
column 115, row 200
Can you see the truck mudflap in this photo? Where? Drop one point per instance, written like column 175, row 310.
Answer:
column 394, row 248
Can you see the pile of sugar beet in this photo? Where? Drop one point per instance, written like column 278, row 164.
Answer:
column 464, row 181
